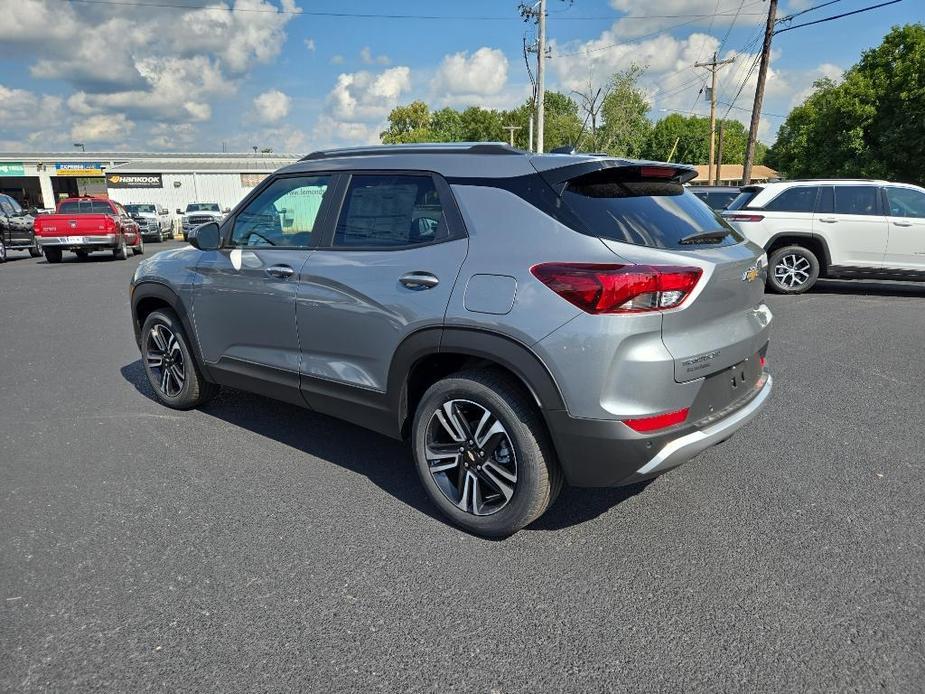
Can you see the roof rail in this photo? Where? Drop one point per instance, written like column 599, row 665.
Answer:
column 423, row 148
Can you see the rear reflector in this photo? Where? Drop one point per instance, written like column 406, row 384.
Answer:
column 744, row 217
column 764, row 362
column 605, row 288
column 659, row 421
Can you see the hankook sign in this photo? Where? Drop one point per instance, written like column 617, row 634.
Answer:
column 115, row 180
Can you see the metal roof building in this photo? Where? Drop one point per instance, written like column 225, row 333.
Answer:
column 166, row 178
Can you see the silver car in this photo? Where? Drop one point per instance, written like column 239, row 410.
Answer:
column 524, row 320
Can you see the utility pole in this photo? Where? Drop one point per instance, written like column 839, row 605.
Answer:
column 719, row 153
column 541, row 76
column 713, row 66
column 511, row 129
column 759, row 94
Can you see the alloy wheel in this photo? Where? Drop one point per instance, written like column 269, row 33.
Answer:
column 471, row 457
column 165, row 360
column 792, row 271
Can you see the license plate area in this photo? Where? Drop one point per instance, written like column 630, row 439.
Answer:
column 722, row 389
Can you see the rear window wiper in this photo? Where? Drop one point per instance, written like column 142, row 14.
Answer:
column 705, row 236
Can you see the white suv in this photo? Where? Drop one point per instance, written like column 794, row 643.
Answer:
column 834, row 228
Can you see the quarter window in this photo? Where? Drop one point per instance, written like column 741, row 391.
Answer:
column 906, row 202
column 284, row 215
column 797, row 199
column 383, row 211
column 855, row 200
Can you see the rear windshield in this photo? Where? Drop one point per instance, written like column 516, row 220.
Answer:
column 743, row 198
column 85, row 207
column 717, row 200
column 622, row 206
column 135, row 209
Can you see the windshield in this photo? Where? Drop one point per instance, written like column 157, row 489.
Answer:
column 202, row 207
column 623, row 206
column 136, row 209
column 743, row 198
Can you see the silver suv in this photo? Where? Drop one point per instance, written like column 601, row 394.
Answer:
column 524, row 320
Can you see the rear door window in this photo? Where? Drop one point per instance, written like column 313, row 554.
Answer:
column 906, row 202
column 856, row 200
column 388, row 211
column 797, row 199
column 623, row 206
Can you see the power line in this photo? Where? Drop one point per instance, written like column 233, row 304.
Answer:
column 365, row 15
column 837, row 16
column 808, row 9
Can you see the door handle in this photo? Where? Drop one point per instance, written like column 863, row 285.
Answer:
column 902, row 223
column 283, row 272
column 419, row 280
column 828, row 220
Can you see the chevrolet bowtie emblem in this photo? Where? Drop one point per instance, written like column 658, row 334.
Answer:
column 751, row 274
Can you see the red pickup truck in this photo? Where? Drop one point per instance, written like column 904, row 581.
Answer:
column 88, row 224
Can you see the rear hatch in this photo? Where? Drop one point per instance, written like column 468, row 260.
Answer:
column 645, row 215
column 52, row 225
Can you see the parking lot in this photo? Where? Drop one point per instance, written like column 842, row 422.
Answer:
column 252, row 545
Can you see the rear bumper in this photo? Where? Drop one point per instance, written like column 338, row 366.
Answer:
column 606, row 453
column 98, row 240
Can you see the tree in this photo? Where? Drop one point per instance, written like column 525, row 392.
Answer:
column 447, row 126
column 411, row 123
column 625, row 111
column 693, row 146
column 871, row 124
column 481, row 125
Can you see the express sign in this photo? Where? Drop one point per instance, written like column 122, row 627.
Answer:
column 115, row 180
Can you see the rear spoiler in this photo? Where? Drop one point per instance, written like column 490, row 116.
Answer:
column 633, row 170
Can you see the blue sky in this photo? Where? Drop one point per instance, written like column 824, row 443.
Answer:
column 156, row 78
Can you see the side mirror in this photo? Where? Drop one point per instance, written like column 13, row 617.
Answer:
column 206, row 237
column 226, row 210
column 179, row 211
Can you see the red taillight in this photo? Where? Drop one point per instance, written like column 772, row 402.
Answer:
column 657, row 172
column 744, row 217
column 764, row 362
column 598, row 288
column 659, row 421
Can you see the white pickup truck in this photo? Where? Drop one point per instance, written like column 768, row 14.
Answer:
column 197, row 213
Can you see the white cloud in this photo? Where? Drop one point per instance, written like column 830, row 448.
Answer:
column 19, row 108
column 365, row 96
column 337, row 59
column 272, row 106
column 310, row 45
column 464, row 79
column 366, row 55
column 666, row 14
column 171, row 136
column 111, row 127
column 332, row 132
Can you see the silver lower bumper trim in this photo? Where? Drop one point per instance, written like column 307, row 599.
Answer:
column 683, row 449
column 96, row 240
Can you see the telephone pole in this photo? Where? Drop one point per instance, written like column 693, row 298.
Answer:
column 529, row 12
column 759, row 93
column 511, row 129
column 713, row 66
column 719, row 153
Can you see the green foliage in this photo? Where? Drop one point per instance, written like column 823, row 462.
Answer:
column 871, row 124
column 626, row 125
column 415, row 123
column 692, row 135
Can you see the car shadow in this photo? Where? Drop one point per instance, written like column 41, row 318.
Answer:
column 384, row 461
column 869, row 288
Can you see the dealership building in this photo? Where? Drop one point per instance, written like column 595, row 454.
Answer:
column 38, row 179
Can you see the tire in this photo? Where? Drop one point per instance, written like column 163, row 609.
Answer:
column 36, row 250
column 162, row 335
column 140, row 248
column 53, row 255
column 792, row 270
column 2, row 252
column 523, row 461
column 121, row 252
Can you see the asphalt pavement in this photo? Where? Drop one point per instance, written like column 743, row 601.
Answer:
column 255, row 546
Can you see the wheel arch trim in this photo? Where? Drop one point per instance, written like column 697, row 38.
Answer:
column 798, row 235
column 152, row 289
